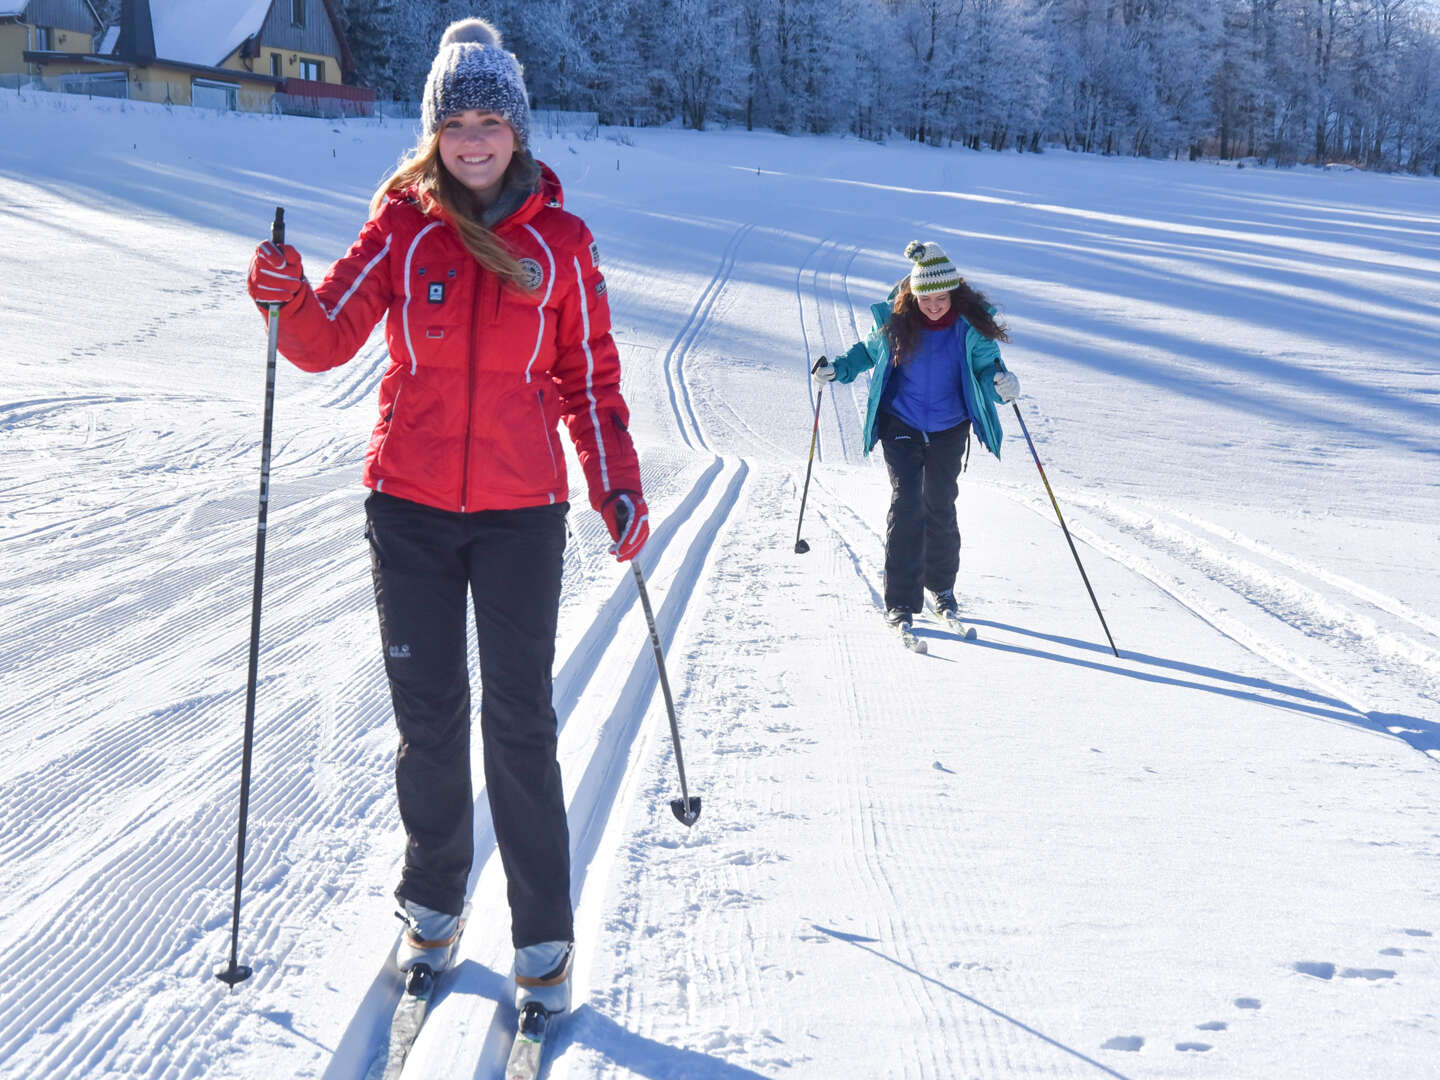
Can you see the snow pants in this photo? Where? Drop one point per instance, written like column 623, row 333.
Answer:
column 922, row 536
column 424, row 562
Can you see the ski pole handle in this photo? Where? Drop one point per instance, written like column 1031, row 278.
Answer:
column 277, row 227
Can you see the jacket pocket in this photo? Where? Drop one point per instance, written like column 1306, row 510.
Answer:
column 387, row 426
column 549, row 430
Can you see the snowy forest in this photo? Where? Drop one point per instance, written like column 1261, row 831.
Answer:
column 1283, row 81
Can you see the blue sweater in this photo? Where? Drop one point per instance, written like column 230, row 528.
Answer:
column 926, row 391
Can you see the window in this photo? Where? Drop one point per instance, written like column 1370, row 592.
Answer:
column 277, row 66
column 42, row 39
column 314, row 70
column 205, row 94
column 114, row 84
column 297, row 12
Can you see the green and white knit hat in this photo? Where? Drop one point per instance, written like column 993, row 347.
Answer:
column 933, row 271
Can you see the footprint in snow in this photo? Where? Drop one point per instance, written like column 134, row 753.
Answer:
column 1247, row 1003
column 1329, row 971
column 1193, row 1047
column 1128, row 1043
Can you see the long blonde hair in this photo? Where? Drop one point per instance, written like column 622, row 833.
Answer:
column 422, row 169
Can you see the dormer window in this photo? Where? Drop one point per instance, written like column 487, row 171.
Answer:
column 297, row 12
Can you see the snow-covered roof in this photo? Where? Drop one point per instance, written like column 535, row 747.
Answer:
column 203, row 33
column 12, row 7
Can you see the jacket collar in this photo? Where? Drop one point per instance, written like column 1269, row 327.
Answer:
column 530, row 186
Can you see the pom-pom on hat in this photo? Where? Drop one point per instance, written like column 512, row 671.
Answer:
column 472, row 70
column 933, row 271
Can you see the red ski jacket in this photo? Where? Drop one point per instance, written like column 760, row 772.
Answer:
column 480, row 374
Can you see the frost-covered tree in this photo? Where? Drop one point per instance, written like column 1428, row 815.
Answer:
column 1284, row 80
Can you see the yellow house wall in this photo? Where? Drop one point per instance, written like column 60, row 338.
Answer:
column 289, row 63
column 71, row 41
column 16, row 38
column 13, row 43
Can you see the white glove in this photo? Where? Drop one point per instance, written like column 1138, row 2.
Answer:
column 1007, row 386
column 824, row 371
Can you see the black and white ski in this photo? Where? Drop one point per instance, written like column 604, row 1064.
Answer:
column 956, row 625
column 410, row 1013
column 909, row 640
column 528, row 1050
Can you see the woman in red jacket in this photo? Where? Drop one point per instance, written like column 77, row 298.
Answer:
column 498, row 328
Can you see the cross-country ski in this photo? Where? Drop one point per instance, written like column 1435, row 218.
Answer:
column 528, row 1050
column 648, row 436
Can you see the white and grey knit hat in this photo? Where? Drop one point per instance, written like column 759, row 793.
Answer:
column 933, row 271
column 472, row 70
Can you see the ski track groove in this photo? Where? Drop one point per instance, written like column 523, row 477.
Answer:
column 612, row 765
column 595, row 794
column 1290, row 603
column 686, row 421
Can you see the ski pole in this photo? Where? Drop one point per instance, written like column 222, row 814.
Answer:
column 687, row 807
column 801, row 547
column 235, row 972
column 1061, row 517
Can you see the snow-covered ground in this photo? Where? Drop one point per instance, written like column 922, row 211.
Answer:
column 1214, row 856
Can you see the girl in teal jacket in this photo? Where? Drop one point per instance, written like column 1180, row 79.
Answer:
column 938, row 376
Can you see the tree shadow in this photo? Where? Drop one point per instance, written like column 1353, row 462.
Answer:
column 1422, row 735
column 865, row 944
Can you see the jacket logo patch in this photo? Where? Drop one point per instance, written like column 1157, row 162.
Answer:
column 600, row 287
column 437, row 292
column 534, row 276
column 594, row 254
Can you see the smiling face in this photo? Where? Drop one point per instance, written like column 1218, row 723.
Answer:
column 933, row 305
column 476, row 147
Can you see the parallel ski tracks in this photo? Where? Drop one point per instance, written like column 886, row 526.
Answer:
column 602, row 741
column 833, row 318
column 1337, row 649
column 1214, row 572
column 686, row 422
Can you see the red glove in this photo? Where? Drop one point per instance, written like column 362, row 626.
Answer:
column 628, row 519
column 276, row 275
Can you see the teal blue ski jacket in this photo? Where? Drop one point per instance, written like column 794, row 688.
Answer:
column 977, row 386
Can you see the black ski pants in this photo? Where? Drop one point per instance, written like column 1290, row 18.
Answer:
column 424, row 562
column 922, row 536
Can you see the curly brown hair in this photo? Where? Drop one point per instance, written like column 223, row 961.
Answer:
column 907, row 320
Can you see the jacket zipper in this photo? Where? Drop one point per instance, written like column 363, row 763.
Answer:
column 470, row 383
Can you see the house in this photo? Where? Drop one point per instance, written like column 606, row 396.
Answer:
column 251, row 55
column 61, row 26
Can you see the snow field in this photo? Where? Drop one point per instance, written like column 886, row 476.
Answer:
column 1209, row 857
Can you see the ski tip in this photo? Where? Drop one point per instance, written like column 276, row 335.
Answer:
column 922, row 648
column 970, row 634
